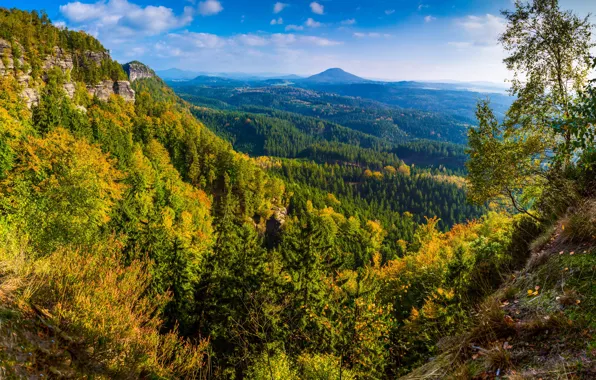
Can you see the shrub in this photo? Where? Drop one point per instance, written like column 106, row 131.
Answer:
column 323, row 367
column 272, row 366
column 62, row 190
column 580, row 226
column 101, row 306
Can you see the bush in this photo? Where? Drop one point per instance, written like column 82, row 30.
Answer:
column 272, row 366
column 323, row 367
column 62, row 190
column 580, row 226
column 102, row 308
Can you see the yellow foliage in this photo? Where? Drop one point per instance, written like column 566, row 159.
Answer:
column 390, row 169
column 101, row 303
column 404, row 169
column 62, row 189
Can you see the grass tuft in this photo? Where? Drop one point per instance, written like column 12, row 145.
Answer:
column 497, row 358
column 580, row 226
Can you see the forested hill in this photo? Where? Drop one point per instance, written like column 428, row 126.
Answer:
column 135, row 219
column 137, row 243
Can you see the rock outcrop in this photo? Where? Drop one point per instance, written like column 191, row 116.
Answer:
column 63, row 60
column 60, row 59
column 136, row 70
column 106, row 88
column 7, row 59
column 97, row 57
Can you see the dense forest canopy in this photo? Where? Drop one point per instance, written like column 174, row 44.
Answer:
column 209, row 238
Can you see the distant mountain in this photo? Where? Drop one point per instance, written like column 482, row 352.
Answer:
column 186, row 75
column 177, row 74
column 217, row 81
column 335, row 76
column 290, row 77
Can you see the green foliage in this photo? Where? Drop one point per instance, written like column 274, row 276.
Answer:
column 95, row 306
column 274, row 366
column 580, row 127
column 382, row 198
column 503, row 164
column 323, row 367
column 61, row 190
column 34, row 38
column 550, row 58
column 145, row 225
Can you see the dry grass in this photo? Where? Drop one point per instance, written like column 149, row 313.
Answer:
column 497, row 358
column 541, row 323
column 537, row 259
column 541, row 241
column 568, row 298
column 580, row 225
column 492, row 324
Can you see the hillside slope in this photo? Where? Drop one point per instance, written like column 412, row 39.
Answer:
column 111, row 200
column 541, row 323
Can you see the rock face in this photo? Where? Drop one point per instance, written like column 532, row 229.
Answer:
column 7, row 59
column 31, row 96
column 63, row 60
column 137, row 70
column 122, row 88
column 60, row 59
column 106, row 88
column 97, row 56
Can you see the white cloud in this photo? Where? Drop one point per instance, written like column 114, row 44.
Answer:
column 319, row 41
column 389, row 12
column 177, row 44
column 317, row 8
column 278, row 21
column 348, row 22
column 120, row 18
column 294, row 27
column 197, row 40
column 136, row 52
column 483, row 30
column 281, row 39
column 371, row 35
column 422, row 6
column 252, row 40
column 312, row 23
column 429, row 18
column 79, row 12
column 210, row 7
column 278, row 7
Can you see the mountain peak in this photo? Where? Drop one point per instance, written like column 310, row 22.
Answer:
column 334, row 76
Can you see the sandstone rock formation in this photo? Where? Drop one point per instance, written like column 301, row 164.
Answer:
column 60, row 59
column 136, row 70
column 106, row 88
column 6, row 58
column 63, row 60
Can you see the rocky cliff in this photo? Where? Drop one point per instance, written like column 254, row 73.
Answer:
column 59, row 58
column 106, row 88
column 136, row 70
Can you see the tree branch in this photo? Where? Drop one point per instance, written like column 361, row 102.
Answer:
column 521, row 209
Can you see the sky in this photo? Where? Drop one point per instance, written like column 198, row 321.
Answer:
column 434, row 40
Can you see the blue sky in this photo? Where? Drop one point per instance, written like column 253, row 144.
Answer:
column 382, row 39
